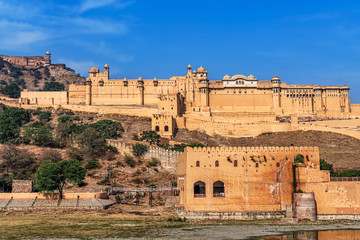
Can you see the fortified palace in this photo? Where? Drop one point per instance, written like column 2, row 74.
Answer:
column 232, row 182
column 34, row 61
column 234, row 106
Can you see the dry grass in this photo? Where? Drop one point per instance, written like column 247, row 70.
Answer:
column 83, row 225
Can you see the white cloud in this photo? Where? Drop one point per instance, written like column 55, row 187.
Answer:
column 19, row 34
column 92, row 4
column 18, row 10
column 96, row 26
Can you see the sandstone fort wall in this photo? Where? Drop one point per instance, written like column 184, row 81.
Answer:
column 261, row 179
column 167, row 158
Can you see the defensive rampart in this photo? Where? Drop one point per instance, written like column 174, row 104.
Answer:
column 167, row 158
column 348, row 132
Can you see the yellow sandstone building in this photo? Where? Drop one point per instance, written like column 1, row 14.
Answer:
column 230, row 182
column 235, row 106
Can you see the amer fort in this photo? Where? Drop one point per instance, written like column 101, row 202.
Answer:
column 240, row 183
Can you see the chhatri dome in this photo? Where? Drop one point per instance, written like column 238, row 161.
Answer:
column 201, row 70
column 226, row 77
column 251, row 77
column 94, row 70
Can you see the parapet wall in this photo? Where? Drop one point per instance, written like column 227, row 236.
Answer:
column 167, row 158
column 33, row 195
column 348, row 132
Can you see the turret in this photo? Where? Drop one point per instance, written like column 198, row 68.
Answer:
column 88, row 91
column 47, row 58
column 106, row 70
column 276, row 94
column 204, row 87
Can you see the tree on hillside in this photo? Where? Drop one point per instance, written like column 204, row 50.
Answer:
column 12, row 90
column 108, row 128
column 46, row 72
column 37, row 74
column 39, row 134
column 6, row 183
column 11, row 119
column 15, row 72
column 326, row 166
column 51, row 176
column 92, row 143
column 54, row 86
column 19, row 161
column 150, row 136
column 139, row 149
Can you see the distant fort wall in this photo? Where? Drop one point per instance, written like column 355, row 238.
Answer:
column 34, row 61
column 167, row 158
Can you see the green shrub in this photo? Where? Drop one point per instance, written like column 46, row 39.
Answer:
column 150, row 136
column 92, row 164
column 65, row 119
column 15, row 72
column 75, row 153
column 119, row 164
column 129, row 160
column 347, row 173
column 139, row 149
column 137, row 181
column 45, row 116
column 53, row 86
column 11, row 119
column 108, row 128
column 153, row 162
column 6, row 183
column 299, row 158
column 326, row 166
column 39, row 134
column 12, row 90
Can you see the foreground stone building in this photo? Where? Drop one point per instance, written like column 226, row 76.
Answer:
column 192, row 101
column 230, row 182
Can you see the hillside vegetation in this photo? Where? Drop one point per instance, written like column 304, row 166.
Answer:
column 36, row 78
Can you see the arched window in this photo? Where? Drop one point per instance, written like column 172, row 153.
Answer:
column 199, row 189
column 216, row 163
column 157, row 128
column 219, row 189
column 278, row 164
column 257, row 165
column 166, row 129
column 198, row 163
column 235, row 163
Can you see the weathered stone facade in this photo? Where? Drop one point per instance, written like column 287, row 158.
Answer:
column 226, row 179
column 22, row 186
column 35, row 61
column 234, row 106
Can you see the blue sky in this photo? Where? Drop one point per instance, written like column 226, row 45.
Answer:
column 301, row 41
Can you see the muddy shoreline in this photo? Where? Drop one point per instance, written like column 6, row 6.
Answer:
column 250, row 231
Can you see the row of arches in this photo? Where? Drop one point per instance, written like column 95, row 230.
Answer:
column 200, row 189
column 157, row 128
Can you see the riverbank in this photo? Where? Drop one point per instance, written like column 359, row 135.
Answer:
column 132, row 222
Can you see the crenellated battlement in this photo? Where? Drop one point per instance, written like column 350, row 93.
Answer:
column 270, row 149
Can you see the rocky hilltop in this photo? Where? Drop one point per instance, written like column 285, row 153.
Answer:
column 35, row 76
